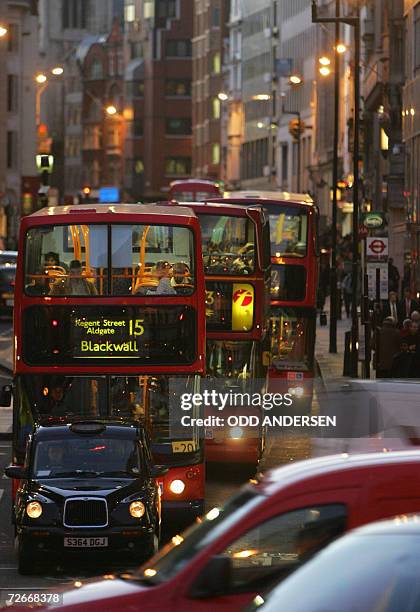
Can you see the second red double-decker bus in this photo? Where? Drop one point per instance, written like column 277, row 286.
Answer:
column 236, row 256
column 294, row 281
column 100, row 330
column 194, row 190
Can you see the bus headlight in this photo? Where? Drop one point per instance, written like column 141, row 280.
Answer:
column 137, row 509
column 296, row 391
column 236, row 432
column 34, row 509
column 177, row 486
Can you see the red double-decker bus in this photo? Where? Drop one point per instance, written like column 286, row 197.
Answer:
column 294, row 281
column 236, row 257
column 100, row 331
column 194, row 190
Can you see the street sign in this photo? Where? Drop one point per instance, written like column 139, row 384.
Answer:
column 373, row 220
column 383, row 280
column 377, row 247
column 109, row 194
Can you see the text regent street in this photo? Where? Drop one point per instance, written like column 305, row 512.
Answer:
column 87, row 346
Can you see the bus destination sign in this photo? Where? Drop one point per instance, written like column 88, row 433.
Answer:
column 106, row 337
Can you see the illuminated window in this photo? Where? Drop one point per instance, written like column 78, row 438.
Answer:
column 215, row 153
column 217, row 64
column 216, row 108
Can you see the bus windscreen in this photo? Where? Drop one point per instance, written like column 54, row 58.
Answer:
column 288, row 231
column 113, row 260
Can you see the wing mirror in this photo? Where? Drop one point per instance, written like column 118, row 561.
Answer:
column 16, row 471
column 159, row 470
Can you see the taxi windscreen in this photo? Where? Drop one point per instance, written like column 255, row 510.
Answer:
column 77, row 456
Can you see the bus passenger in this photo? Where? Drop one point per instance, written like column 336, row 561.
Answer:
column 39, row 286
column 163, row 273
column 75, row 283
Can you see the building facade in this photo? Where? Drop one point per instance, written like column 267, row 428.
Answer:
column 158, row 144
column 18, row 58
column 209, row 38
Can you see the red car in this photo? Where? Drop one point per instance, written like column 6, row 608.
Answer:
column 261, row 535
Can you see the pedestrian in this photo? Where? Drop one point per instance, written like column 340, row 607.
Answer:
column 393, row 276
column 391, row 308
column 407, row 304
column 387, row 345
column 346, row 287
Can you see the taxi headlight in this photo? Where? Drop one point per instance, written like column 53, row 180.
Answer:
column 33, row 509
column 177, row 486
column 137, row 509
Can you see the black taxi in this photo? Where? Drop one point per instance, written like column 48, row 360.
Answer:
column 86, row 486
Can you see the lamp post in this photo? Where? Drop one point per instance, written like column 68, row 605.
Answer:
column 353, row 21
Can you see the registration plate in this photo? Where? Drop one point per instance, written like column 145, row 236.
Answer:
column 183, row 446
column 85, row 542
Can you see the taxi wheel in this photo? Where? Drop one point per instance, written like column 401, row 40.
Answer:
column 25, row 560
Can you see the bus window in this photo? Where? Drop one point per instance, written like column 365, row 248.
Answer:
column 288, row 283
column 66, row 260
column 228, row 244
column 291, row 336
column 288, row 231
column 152, row 260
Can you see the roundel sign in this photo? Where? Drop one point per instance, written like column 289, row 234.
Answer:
column 242, row 307
column 377, row 247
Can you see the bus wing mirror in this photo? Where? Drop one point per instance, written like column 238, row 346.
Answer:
column 16, row 471
column 159, row 470
column 215, row 579
column 6, row 396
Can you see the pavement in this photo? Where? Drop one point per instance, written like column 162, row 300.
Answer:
column 330, row 364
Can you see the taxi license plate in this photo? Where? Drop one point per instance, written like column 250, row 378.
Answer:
column 85, row 542
column 183, row 446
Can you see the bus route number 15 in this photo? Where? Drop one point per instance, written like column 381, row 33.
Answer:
column 135, row 327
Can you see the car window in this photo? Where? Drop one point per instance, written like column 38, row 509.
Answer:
column 378, row 573
column 279, row 545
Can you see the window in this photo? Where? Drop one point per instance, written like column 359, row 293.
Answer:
column 288, row 231
column 178, row 48
column 216, row 108
column 178, row 87
column 215, row 17
column 292, row 331
column 138, row 166
column 275, row 547
column 129, row 11
column 11, row 155
column 166, row 8
column 284, row 164
column 138, row 127
column 12, row 37
column 178, row 126
column 74, row 13
column 228, row 244
column 136, row 49
column 215, row 153
column 12, row 93
column 96, row 69
column 178, row 166
column 217, row 65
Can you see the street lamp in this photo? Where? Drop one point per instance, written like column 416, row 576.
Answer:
column 57, row 70
column 261, row 97
column 3, row 31
column 353, row 21
column 295, row 79
column 341, row 48
column 111, row 109
column 41, row 78
column 222, row 96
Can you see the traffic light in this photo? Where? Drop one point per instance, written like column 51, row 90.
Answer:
column 296, row 128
